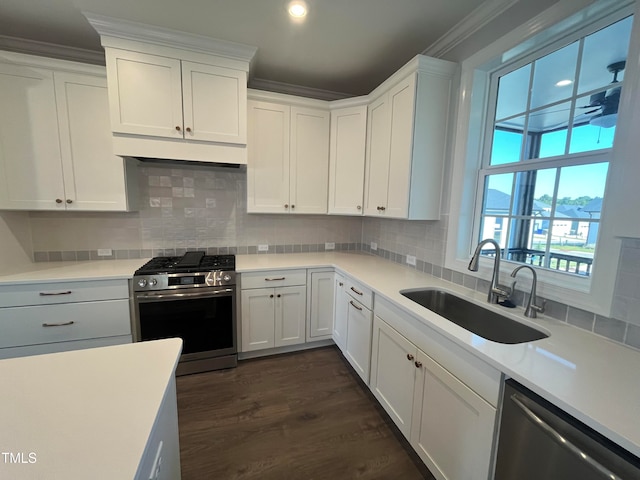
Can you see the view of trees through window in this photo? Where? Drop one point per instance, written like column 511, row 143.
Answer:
column 553, row 126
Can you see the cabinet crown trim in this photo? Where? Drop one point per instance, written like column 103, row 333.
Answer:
column 165, row 37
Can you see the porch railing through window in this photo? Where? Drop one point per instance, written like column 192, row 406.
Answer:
column 557, row 261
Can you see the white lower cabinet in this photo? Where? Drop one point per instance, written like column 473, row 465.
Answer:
column 358, row 349
column 352, row 324
column 273, row 316
column 341, row 309
column 452, row 426
column 447, row 423
column 393, row 373
column 55, row 317
column 321, row 294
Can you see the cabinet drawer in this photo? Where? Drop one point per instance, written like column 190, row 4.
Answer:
column 273, row 278
column 62, row 292
column 13, row 352
column 359, row 292
column 62, row 323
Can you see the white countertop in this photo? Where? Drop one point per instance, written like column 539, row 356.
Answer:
column 590, row 377
column 83, row 414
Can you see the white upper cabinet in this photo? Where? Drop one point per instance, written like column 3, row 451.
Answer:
column 406, row 139
column 288, row 167
column 166, row 97
column 346, row 159
column 174, row 95
column 55, row 140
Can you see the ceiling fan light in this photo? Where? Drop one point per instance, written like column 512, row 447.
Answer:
column 604, row 121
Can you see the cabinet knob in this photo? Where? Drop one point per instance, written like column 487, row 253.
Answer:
column 293, row 206
column 382, row 209
column 271, row 296
column 286, row 205
column 69, row 201
column 341, row 284
column 188, row 129
column 359, row 207
column 58, row 200
column 278, row 295
column 178, row 128
column 418, row 364
column 410, row 357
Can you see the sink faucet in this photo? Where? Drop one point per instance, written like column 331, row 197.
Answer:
column 496, row 291
column 532, row 307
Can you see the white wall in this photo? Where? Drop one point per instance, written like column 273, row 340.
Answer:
column 15, row 240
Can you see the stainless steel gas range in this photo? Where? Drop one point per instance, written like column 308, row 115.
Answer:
column 192, row 297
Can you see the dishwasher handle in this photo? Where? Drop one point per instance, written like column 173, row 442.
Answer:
column 562, row 441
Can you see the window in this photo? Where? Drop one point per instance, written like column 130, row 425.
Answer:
column 551, row 127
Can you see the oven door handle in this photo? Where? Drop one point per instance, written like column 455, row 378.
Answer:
column 152, row 297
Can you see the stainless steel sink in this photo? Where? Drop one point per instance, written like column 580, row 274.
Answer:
column 474, row 318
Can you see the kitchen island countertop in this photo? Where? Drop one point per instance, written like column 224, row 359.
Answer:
column 83, row 414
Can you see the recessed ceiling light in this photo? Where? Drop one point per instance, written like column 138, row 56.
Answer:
column 564, row 83
column 297, row 9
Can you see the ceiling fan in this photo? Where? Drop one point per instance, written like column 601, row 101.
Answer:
column 606, row 103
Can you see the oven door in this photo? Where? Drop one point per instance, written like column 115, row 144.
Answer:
column 204, row 318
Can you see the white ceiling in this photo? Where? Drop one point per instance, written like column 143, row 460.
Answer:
column 346, row 46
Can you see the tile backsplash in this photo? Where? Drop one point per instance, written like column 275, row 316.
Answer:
column 186, row 208
column 195, row 207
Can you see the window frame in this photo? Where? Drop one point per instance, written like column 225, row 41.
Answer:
column 469, row 141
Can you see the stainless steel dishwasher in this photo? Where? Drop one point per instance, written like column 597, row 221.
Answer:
column 539, row 441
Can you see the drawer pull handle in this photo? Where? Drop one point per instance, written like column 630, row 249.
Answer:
column 49, row 294
column 358, row 292
column 274, row 279
column 58, row 324
column 355, row 306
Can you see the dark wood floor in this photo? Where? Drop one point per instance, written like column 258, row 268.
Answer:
column 303, row 415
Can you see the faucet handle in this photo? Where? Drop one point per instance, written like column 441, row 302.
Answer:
column 539, row 308
column 502, row 291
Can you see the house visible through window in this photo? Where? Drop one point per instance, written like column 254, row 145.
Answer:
column 550, row 135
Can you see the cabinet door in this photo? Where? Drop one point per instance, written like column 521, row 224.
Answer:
column 401, row 102
column 145, row 94
column 258, row 314
column 452, row 427
column 214, row 103
column 378, row 142
column 268, row 158
column 346, row 160
column 30, row 160
column 358, row 348
column 393, row 373
column 321, row 305
column 290, row 315
column 94, row 177
column 339, row 333
column 309, row 160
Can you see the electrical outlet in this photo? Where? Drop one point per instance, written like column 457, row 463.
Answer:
column 105, row 252
column 411, row 260
column 263, row 248
column 374, row 246
column 157, row 463
column 330, row 245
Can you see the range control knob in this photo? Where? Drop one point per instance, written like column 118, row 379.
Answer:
column 153, row 282
column 226, row 277
column 142, row 282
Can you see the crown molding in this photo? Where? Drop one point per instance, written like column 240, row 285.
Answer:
column 297, row 90
column 51, row 50
column 140, row 32
column 473, row 22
